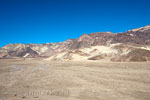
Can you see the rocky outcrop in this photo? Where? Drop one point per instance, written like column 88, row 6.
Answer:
column 136, row 55
column 136, row 36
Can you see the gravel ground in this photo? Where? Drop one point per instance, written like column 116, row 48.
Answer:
column 36, row 79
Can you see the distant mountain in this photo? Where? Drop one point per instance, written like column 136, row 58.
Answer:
column 104, row 46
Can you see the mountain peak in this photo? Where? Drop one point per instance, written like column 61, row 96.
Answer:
column 141, row 29
column 109, row 32
column 84, row 34
column 84, row 37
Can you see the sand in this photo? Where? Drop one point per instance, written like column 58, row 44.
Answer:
column 37, row 79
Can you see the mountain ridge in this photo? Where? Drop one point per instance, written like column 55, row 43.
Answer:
column 139, row 37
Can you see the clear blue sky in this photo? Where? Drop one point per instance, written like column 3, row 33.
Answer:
column 44, row 21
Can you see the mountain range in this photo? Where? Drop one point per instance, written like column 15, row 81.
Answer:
column 132, row 46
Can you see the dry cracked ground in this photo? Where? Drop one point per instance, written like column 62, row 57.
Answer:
column 36, row 79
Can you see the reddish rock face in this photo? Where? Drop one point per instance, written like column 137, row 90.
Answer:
column 136, row 37
column 140, row 36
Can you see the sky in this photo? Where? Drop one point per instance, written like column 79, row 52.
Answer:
column 46, row 21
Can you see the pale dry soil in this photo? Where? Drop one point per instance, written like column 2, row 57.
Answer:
column 36, row 79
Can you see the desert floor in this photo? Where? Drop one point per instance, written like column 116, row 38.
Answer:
column 46, row 80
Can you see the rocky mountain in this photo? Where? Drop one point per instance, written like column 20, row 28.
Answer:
column 136, row 36
column 105, row 46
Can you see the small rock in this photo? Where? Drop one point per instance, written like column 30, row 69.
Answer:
column 15, row 95
column 23, row 97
